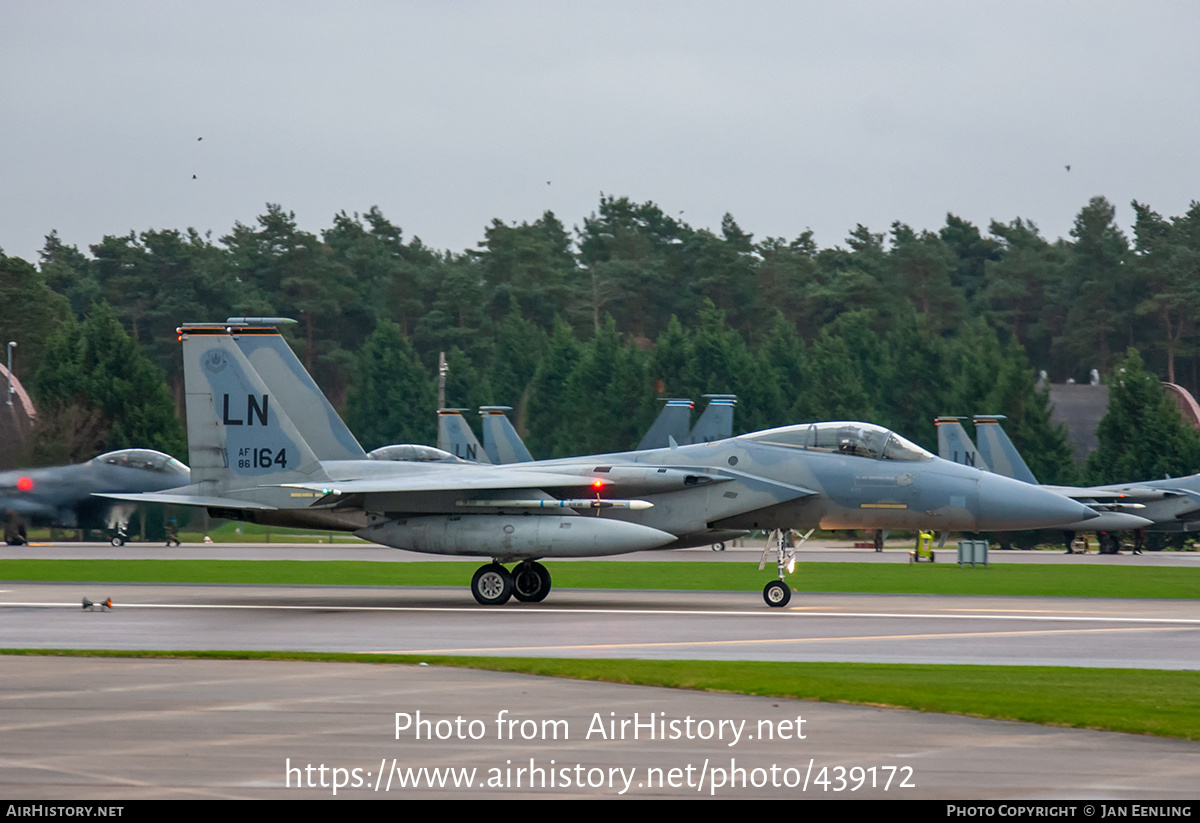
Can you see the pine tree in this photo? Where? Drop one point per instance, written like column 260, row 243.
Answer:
column 1142, row 435
column 392, row 398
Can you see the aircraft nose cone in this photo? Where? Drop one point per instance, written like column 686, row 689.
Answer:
column 1010, row 505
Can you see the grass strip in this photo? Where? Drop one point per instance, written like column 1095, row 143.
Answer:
column 1139, row 701
column 881, row 578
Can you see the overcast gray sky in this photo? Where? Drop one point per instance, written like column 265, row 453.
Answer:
column 446, row 115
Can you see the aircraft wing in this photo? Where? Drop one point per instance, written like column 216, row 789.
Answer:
column 460, row 478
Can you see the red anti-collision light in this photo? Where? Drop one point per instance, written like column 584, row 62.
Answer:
column 25, row 484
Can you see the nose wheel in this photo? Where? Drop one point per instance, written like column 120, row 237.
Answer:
column 492, row 585
column 777, row 594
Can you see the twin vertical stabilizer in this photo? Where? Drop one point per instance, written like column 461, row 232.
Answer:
column 238, row 432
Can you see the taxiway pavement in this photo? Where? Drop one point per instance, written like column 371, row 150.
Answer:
column 114, row 730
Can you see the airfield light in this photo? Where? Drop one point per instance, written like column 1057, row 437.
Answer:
column 25, row 484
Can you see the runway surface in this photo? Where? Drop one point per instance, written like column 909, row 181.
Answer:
column 124, row 729
column 1160, row 634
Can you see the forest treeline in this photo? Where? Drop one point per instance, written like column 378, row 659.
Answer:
column 582, row 330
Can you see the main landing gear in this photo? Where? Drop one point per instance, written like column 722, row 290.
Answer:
column 493, row 584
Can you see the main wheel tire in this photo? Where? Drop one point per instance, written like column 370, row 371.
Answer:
column 492, row 585
column 718, row 547
column 531, row 582
column 777, row 594
column 117, row 541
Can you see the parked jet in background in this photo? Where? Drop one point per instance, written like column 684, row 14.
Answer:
column 1117, row 509
column 455, row 436
column 62, row 496
column 673, row 423
column 500, row 440
column 1172, row 504
column 251, row 459
column 716, row 422
column 502, row 445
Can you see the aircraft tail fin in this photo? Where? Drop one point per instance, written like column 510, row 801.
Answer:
column 291, row 386
column 716, row 423
column 999, row 451
column 955, row 445
column 500, row 439
column 455, row 436
column 239, row 436
column 673, row 421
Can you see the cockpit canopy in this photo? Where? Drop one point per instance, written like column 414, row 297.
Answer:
column 859, row 439
column 413, row 453
column 145, row 459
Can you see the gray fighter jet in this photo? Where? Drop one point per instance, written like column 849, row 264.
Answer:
column 500, row 440
column 1171, row 504
column 455, row 436
column 62, row 496
column 1116, row 509
column 502, row 445
column 252, row 459
column 716, row 422
column 673, row 422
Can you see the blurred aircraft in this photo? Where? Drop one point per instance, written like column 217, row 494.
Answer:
column 63, row 496
column 252, row 459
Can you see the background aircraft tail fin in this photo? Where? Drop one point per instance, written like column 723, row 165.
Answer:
column 500, row 439
column 455, row 436
column 291, row 386
column 239, row 435
column 998, row 450
column 674, row 420
column 716, row 423
column 955, row 445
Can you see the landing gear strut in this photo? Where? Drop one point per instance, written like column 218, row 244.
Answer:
column 531, row 582
column 777, row 593
column 492, row 585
